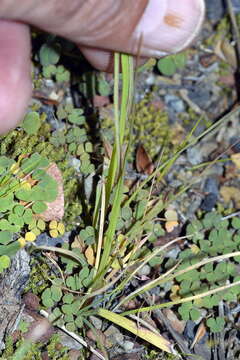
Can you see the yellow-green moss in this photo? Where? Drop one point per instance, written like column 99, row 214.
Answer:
column 18, row 142
column 151, row 127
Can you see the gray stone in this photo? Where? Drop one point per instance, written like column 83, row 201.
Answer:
column 175, row 103
column 12, row 283
column 69, row 342
column 194, row 156
column 128, row 346
column 144, row 271
column 96, row 322
column 114, row 336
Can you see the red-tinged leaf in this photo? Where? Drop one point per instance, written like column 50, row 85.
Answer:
column 143, row 161
column 55, row 210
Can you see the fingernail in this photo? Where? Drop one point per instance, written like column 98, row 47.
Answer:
column 168, row 26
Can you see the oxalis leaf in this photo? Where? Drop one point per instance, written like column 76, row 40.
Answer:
column 31, row 123
column 49, row 54
column 4, row 262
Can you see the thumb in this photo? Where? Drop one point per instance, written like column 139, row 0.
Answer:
column 165, row 26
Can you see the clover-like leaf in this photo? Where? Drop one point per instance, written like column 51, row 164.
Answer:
column 5, row 237
column 76, row 117
column 4, row 262
column 167, row 66
column 68, row 298
column 6, row 203
column 49, row 54
column 38, row 207
column 79, row 321
column 103, row 87
column 216, row 325
column 47, row 298
column 31, row 123
column 56, row 293
column 195, row 314
column 184, row 310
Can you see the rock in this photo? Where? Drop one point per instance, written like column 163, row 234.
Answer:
column 133, row 356
column 128, row 346
column 214, row 10
column 45, row 240
column 175, row 103
column 209, row 202
column 200, row 95
column 194, row 156
column 12, row 284
column 96, row 322
column 74, row 355
column 210, row 187
column 69, row 342
column 144, row 271
column 114, row 336
column 217, row 9
column 235, row 142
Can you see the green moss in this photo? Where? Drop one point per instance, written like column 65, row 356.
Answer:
column 151, row 127
column 18, row 142
column 39, row 277
column 55, row 352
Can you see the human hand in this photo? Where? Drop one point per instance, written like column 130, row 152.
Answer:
column 98, row 27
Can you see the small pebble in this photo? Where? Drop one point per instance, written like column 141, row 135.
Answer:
column 114, row 336
column 145, row 270
column 194, row 156
column 175, row 103
column 96, row 322
column 209, row 202
column 128, row 345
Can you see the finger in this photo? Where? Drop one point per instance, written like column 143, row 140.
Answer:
column 15, row 75
column 165, row 26
column 104, row 60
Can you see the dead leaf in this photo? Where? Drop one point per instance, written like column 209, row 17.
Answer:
column 171, row 225
column 174, row 293
column 89, row 254
column 236, row 159
column 78, row 243
column 171, row 215
column 143, row 161
column 226, row 52
column 107, row 148
column 201, row 331
column 177, row 324
column 55, row 210
column 229, row 193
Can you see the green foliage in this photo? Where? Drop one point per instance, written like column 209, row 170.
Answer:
column 58, row 73
column 103, row 86
column 49, row 54
column 31, row 123
column 66, row 305
column 4, row 262
column 216, row 325
column 211, row 236
column 54, row 348
column 22, row 180
column 170, row 64
column 23, row 326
